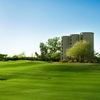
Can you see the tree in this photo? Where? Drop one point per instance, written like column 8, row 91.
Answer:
column 81, row 51
column 51, row 48
column 14, row 57
column 97, row 54
column 3, row 56
column 43, row 51
column 54, row 48
column 21, row 55
column 37, row 56
column 55, row 56
column 97, row 57
column 54, row 45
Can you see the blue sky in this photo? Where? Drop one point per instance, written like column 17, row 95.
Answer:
column 26, row 23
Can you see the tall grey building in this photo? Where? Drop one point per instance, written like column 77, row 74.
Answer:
column 68, row 41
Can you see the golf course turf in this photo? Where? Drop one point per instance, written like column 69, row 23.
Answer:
column 36, row 80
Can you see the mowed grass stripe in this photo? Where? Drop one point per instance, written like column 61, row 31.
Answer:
column 30, row 80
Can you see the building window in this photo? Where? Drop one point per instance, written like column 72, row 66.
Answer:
column 70, row 43
column 81, row 38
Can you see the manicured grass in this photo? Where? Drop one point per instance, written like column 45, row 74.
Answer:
column 34, row 80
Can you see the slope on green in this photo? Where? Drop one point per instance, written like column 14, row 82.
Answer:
column 34, row 80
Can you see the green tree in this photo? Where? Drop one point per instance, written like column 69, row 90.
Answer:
column 21, row 55
column 51, row 48
column 15, row 57
column 97, row 57
column 54, row 48
column 54, row 45
column 43, row 51
column 3, row 56
column 81, row 50
column 97, row 54
column 55, row 56
column 37, row 56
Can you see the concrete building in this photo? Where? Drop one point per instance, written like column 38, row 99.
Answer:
column 68, row 41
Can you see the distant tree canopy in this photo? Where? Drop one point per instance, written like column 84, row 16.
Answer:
column 97, row 57
column 3, row 56
column 21, row 55
column 97, row 54
column 81, row 49
column 51, row 49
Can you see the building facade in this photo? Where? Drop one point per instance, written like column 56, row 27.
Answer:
column 68, row 41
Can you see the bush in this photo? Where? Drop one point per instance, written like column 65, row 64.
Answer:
column 75, row 61
column 70, row 61
column 63, row 60
column 86, row 61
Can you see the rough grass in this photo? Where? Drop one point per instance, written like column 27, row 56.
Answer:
column 34, row 80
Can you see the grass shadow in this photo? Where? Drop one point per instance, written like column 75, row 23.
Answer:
column 74, row 67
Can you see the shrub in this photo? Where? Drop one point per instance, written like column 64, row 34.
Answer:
column 75, row 61
column 70, row 61
column 63, row 60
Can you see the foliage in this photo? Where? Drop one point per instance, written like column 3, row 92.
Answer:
column 97, row 57
column 3, row 57
column 43, row 50
column 70, row 61
column 55, row 56
column 37, row 56
column 63, row 60
column 51, row 49
column 97, row 54
column 21, row 55
column 81, row 49
column 54, row 45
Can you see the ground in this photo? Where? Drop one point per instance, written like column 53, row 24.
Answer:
column 35, row 80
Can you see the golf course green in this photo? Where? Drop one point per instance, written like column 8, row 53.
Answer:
column 36, row 80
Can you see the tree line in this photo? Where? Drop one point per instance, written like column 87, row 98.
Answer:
column 81, row 51
column 50, row 51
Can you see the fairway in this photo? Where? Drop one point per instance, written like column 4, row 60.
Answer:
column 35, row 80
